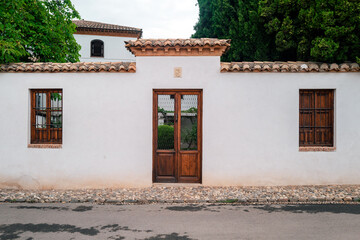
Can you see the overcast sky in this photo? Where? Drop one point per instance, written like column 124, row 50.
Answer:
column 157, row 18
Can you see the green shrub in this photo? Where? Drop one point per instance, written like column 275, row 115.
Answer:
column 165, row 137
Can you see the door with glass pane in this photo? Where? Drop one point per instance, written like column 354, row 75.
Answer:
column 177, row 135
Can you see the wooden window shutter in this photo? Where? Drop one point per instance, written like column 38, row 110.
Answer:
column 316, row 118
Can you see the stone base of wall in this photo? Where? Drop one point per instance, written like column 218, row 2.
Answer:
column 198, row 194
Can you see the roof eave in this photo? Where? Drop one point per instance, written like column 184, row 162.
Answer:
column 84, row 30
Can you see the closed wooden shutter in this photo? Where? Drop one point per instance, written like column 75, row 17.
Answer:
column 316, row 117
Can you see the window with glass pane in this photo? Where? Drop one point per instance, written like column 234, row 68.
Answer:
column 46, row 116
column 166, row 109
column 189, row 116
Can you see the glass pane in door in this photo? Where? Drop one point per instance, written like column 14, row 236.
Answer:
column 40, row 110
column 56, row 110
column 189, row 113
column 166, row 108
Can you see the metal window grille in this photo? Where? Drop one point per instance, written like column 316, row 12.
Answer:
column 97, row 48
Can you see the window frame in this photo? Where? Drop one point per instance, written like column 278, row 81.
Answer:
column 37, row 134
column 92, row 48
column 314, row 110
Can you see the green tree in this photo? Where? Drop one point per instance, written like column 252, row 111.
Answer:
column 203, row 28
column 303, row 30
column 237, row 20
column 317, row 30
column 37, row 30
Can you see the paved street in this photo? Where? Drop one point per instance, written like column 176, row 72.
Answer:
column 181, row 221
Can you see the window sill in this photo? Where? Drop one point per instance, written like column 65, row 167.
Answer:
column 44, row 145
column 317, row 149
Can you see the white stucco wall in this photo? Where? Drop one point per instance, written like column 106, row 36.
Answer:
column 114, row 48
column 250, row 126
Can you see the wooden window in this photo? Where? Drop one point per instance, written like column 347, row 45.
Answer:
column 316, row 118
column 46, row 116
column 97, row 48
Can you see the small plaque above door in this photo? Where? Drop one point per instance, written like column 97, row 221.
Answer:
column 177, row 72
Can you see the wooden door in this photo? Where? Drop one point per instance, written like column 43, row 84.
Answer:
column 177, row 136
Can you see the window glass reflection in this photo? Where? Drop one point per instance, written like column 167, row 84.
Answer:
column 189, row 113
column 166, row 107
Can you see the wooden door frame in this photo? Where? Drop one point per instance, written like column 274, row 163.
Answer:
column 157, row 92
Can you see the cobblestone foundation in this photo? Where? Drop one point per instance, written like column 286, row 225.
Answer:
column 198, row 194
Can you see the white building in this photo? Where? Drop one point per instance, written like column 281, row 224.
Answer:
column 179, row 115
column 102, row 42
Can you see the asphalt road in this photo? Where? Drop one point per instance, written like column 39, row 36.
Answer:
column 79, row 221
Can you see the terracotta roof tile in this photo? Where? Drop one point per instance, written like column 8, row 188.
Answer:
column 83, row 26
column 178, row 47
column 288, row 67
column 225, row 67
column 70, row 67
column 178, row 41
column 106, row 26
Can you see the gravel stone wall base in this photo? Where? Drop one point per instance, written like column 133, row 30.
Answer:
column 188, row 194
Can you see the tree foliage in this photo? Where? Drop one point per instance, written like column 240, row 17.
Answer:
column 237, row 20
column 37, row 30
column 320, row 30
column 303, row 30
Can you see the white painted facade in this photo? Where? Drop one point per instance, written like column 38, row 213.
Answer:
column 114, row 48
column 250, row 127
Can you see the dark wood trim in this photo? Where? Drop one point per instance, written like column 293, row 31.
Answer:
column 174, row 91
column 114, row 34
column 164, row 151
column 177, row 134
column 188, row 151
column 200, row 133
column 155, row 120
column 32, row 116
